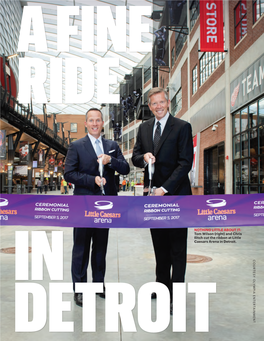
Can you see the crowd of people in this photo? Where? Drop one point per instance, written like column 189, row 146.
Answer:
column 46, row 185
column 127, row 185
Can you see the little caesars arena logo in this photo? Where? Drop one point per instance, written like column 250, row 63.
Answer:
column 100, row 216
column 216, row 212
column 3, row 212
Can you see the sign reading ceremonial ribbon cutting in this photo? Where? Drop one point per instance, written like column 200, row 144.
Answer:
column 211, row 26
column 133, row 212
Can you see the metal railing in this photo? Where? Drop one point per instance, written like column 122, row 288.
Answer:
column 23, row 118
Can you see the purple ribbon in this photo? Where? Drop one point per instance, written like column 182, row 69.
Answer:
column 133, row 211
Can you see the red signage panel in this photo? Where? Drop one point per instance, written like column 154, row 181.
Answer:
column 211, row 26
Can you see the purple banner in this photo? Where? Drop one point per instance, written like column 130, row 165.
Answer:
column 134, row 211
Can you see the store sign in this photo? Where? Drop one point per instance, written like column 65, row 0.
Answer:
column 248, row 86
column 211, row 26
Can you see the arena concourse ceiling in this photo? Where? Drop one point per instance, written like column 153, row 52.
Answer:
column 127, row 60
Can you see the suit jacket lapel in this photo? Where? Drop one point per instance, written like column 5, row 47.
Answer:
column 149, row 135
column 106, row 146
column 166, row 131
column 88, row 146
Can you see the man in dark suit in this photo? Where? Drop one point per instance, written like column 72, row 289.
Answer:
column 167, row 142
column 81, row 169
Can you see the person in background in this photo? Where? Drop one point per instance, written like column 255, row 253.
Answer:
column 65, row 186
column 124, row 185
column 39, row 186
column 62, row 187
column 46, row 186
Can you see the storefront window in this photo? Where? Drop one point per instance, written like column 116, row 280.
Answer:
column 236, row 123
column 244, row 139
column 253, row 115
column 244, row 119
column 244, row 190
column 261, row 170
column 261, row 111
column 237, row 147
column 244, row 171
column 253, row 143
column 248, row 149
column 237, row 178
column 261, row 139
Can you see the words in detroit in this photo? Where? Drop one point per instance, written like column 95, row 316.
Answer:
column 114, row 309
column 32, row 18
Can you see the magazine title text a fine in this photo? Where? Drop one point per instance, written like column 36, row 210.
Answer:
column 33, row 38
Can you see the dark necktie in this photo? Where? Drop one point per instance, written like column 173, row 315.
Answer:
column 157, row 137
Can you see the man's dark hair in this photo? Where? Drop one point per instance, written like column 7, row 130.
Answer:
column 94, row 109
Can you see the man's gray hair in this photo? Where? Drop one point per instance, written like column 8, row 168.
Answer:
column 155, row 91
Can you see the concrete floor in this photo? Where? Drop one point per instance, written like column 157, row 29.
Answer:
column 130, row 260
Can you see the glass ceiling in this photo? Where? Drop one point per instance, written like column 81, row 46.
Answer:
column 127, row 60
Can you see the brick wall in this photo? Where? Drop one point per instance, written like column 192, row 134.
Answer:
column 79, row 119
column 253, row 31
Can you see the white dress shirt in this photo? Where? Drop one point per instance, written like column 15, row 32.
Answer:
column 162, row 122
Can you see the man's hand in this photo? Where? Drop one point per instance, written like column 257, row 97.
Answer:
column 105, row 159
column 159, row 192
column 149, row 156
column 98, row 181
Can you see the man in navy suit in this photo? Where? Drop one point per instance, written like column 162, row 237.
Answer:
column 167, row 142
column 81, row 169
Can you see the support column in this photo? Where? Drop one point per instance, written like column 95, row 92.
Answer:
column 30, row 169
column 11, row 154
